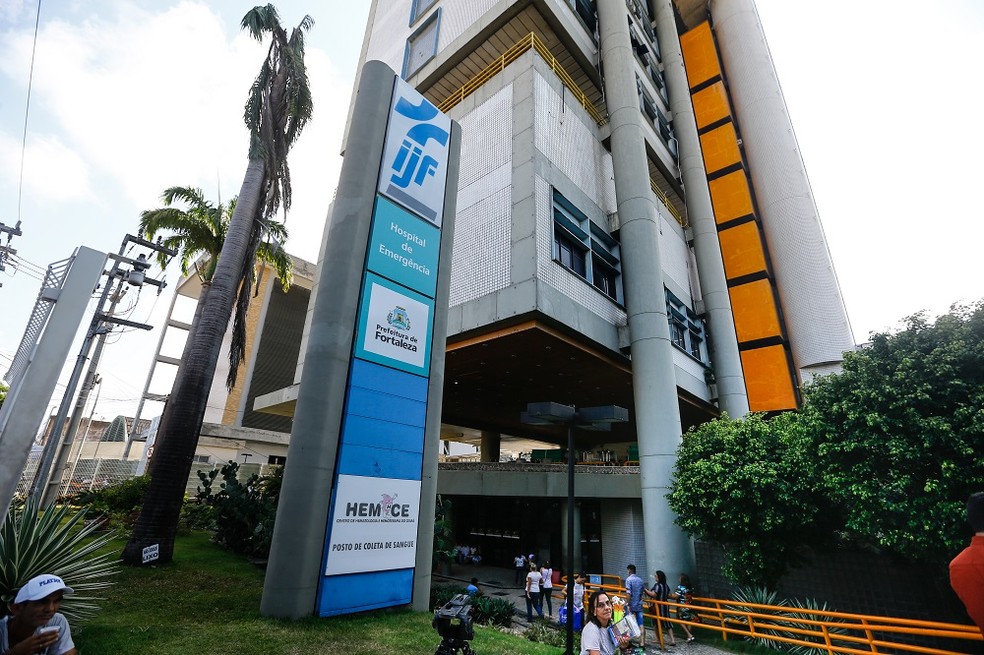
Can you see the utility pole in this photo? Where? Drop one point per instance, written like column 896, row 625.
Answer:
column 6, row 251
column 47, row 480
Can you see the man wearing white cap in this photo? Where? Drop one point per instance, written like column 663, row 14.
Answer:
column 35, row 626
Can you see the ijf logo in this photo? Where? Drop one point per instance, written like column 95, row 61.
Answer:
column 415, row 157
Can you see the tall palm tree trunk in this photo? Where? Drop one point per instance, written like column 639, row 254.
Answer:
column 182, row 422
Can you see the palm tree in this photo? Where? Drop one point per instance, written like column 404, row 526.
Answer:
column 200, row 232
column 277, row 109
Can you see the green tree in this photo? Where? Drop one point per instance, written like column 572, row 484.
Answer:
column 751, row 486
column 199, row 231
column 900, row 431
column 3, row 393
column 278, row 107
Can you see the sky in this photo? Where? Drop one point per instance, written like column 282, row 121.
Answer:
column 130, row 97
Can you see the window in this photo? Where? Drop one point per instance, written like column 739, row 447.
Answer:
column 585, row 249
column 604, row 277
column 677, row 334
column 586, row 11
column 422, row 45
column 695, row 341
column 570, row 252
column 686, row 327
column 662, row 125
column 419, row 8
column 201, row 459
column 276, row 459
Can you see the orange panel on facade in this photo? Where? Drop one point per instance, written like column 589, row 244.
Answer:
column 768, row 381
column 730, row 196
column 741, row 250
column 711, row 104
column 754, row 308
column 720, row 148
column 700, row 55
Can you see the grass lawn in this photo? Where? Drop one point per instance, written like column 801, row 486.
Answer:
column 207, row 602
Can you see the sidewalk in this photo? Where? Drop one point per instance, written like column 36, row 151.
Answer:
column 500, row 583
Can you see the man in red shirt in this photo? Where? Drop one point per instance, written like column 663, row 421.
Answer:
column 967, row 568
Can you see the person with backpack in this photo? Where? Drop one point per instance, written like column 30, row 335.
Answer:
column 683, row 595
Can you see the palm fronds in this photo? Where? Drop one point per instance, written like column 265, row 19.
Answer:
column 56, row 540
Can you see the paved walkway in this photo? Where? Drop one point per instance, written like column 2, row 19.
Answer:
column 500, row 582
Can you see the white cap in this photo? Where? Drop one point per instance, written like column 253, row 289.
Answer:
column 41, row 586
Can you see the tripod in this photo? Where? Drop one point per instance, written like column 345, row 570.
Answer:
column 452, row 646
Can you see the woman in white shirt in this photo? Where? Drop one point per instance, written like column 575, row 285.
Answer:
column 579, row 580
column 533, row 600
column 546, row 586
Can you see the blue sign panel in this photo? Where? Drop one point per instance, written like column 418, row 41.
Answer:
column 370, row 542
column 395, row 326
column 414, row 168
column 404, row 248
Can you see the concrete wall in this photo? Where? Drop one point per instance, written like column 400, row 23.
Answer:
column 493, row 480
column 621, row 545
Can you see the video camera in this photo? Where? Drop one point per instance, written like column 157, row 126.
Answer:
column 454, row 623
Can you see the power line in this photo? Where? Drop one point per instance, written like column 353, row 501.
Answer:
column 27, row 111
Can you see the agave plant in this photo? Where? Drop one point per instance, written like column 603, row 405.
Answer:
column 56, row 540
column 760, row 596
column 807, row 608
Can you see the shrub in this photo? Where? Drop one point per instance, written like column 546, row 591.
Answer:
column 760, row 596
column 119, row 502
column 485, row 610
column 492, row 611
column 55, row 540
column 546, row 633
column 440, row 594
column 785, row 619
column 808, row 605
column 244, row 512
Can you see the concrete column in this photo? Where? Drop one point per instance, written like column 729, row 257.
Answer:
column 725, row 359
column 30, row 392
column 813, row 309
column 490, row 446
column 653, row 380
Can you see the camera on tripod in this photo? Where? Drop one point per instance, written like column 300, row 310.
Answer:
column 454, row 623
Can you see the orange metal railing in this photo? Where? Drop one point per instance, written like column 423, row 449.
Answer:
column 669, row 205
column 508, row 57
column 824, row 630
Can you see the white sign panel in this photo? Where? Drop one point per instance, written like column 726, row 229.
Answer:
column 151, row 553
column 396, row 326
column 374, row 525
column 414, row 169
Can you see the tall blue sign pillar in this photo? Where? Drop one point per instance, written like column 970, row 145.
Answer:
column 355, row 523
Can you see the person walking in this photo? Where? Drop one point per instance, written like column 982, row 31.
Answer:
column 519, row 562
column 661, row 592
column 683, row 595
column 533, row 600
column 546, row 586
column 634, row 587
column 579, row 580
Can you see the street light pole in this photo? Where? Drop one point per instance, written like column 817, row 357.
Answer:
column 46, row 481
column 571, row 568
column 590, row 418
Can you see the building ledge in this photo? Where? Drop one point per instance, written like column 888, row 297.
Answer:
column 280, row 402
